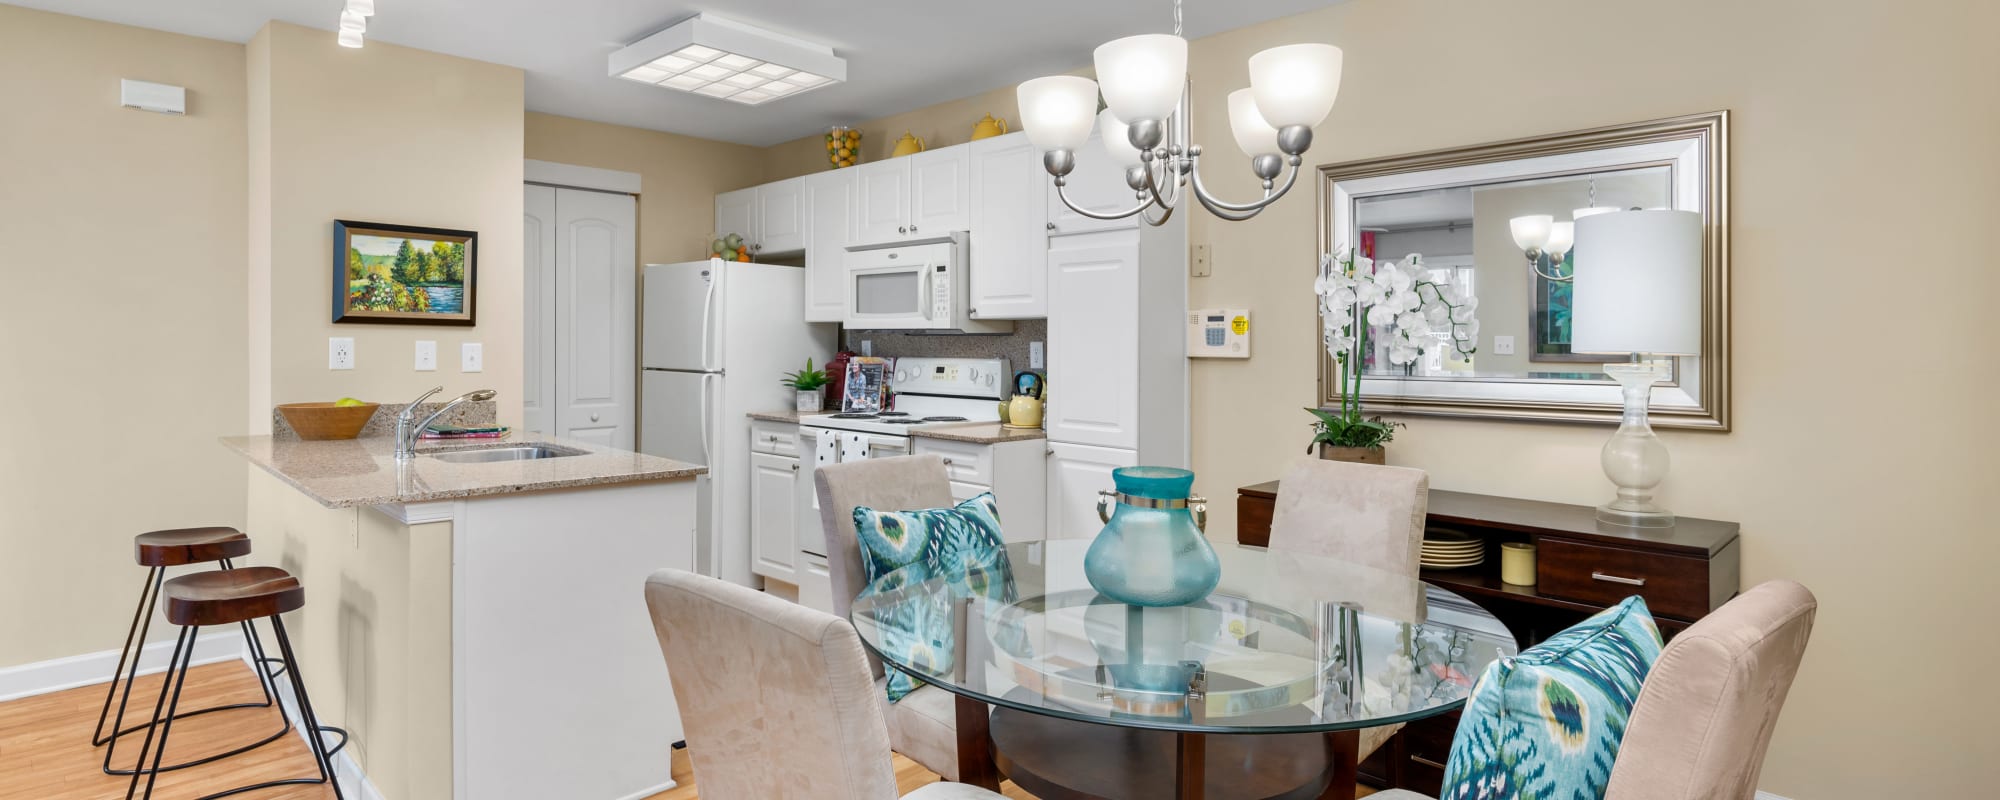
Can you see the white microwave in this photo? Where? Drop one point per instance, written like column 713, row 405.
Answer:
column 922, row 286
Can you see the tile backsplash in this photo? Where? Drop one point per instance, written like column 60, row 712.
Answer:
column 1010, row 346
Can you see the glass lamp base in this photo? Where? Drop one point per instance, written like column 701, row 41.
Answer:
column 1648, row 516
column 1634, row 459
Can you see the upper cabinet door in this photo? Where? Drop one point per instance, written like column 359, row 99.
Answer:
column 736, row 212
column 1010, row 267
column 1094, row 340
column 940, row 191
column 781, row 217
column 831, row 204
column 1097, row 184
column 884, row 193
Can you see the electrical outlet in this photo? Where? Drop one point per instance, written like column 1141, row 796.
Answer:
column 340, row 352
column 471, row 357
column 1037, row 357
column 1199, row 265
column 427, row 356
column 1503, row 345
column 868, row 347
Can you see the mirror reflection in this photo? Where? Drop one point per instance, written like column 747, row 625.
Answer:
column 1506, row 242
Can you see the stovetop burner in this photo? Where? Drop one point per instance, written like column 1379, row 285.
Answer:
column 902, row 421
column 852, row 415
column 944, row 419
column 893, row 414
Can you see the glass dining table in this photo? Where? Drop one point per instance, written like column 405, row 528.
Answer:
column 1259, row 691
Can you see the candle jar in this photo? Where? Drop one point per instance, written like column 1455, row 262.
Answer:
column 1517, row 563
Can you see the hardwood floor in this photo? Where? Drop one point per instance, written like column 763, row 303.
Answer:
column 45, row 751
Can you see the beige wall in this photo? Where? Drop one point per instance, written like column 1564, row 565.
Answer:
column 679, row 176
column 380, row 134
column 940, row 125
column 121, row 339
column 1860, row 485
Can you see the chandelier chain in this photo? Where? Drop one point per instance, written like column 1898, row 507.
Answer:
column 1177, row 17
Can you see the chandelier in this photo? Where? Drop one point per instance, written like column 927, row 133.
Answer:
column 1146, row 125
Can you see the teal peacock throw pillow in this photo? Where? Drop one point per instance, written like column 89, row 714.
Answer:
column 1545, row 724
column 960, row 546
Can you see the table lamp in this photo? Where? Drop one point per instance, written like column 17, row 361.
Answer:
column 1638, row 292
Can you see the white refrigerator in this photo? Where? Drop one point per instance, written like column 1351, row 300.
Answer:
column 716, row 337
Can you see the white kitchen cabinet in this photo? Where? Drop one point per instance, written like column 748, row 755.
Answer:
column 1096, row 184
column 918, row 196
column 940, row 191
column 782, row 218
column 1094, row 340
column 1013, row 471
column 1076, row 473
column 831, row 212
column 883, row 213
column 815, row 584
column 774, row 541
column 1009, row 224
column 736, row 212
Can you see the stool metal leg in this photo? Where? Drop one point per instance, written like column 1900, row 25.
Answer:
column 266, row 681
column 148, row 596
column 175, row 679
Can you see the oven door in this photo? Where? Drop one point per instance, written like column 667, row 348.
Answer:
column 893, row 296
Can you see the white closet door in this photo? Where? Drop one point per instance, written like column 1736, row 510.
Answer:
column 538, row 349
column 596, row 313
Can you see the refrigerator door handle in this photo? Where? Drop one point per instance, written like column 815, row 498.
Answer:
column 707, row 446
column 708, row 337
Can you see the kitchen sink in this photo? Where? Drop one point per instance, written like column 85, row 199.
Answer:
column 518, row 452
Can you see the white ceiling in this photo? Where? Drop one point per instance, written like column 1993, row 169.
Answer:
column 902, row 54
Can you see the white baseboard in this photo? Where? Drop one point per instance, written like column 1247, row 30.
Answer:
column 1769, row 796
column 645, row 793
column 57, row 674
column 353, row 782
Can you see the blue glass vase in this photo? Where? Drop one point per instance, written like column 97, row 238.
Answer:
column 1152, row 551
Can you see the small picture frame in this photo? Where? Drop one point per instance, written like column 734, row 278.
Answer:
column 404, row 274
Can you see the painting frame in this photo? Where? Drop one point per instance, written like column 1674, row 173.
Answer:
column 1548, row 315
column 348, row 258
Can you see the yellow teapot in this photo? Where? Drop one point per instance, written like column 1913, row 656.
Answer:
column 987, row 127
column 907, row 145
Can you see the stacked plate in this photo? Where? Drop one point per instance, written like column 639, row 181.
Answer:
column 1445, row 548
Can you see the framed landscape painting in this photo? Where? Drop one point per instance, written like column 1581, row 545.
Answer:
column 400, row 274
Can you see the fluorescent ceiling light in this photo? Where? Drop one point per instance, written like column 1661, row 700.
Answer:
column 721, row 58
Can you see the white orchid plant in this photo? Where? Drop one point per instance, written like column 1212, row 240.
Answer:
column 1423, row 316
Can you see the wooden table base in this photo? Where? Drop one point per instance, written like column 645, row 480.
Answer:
column 1059, row 759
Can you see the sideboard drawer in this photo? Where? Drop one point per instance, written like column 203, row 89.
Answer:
column 1673, row 586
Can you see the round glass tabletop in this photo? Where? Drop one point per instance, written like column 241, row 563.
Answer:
column 1286, row 644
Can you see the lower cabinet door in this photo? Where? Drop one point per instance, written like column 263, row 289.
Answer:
column 815, row 583
column 1076, row 474
column 774, row 539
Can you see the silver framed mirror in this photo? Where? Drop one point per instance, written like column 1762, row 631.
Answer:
column 1454, row 207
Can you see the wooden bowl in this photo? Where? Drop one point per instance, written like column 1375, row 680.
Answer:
column 322, row 421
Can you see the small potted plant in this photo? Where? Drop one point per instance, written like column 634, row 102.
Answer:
column 1342, row 436
column 809, row 383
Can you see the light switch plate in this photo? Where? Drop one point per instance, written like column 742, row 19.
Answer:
column 471, row 357
column 427, row 356
column 1037, row 357
column 1199, row 264
column 340, row 352
column 1503, row 345
column 867, row 347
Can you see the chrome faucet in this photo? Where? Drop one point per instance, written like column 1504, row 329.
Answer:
column 408, row 429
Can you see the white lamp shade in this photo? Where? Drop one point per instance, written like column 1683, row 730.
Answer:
column 1561, row 236
column 1056, row 111
column 364, row 8
column 1253, row 134
column 1295, row 84
column 1532, row 231
column 1117, row 139
column 350, row 21
column 1143, row 75
column 1638, row 283
column 1592, row 210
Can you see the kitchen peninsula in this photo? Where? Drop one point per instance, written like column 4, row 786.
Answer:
column 476, row 624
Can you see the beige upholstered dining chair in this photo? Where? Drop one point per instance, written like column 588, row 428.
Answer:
column 776, row 697
column 923, row 726
column 1359, row 513
column 1706, row 711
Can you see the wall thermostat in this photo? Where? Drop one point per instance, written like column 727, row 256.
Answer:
column 1219, row 333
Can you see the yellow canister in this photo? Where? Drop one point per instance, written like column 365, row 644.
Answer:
column 1517, row 563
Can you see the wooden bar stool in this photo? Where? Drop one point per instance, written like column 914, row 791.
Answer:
column 159, row 550
column 231, row 597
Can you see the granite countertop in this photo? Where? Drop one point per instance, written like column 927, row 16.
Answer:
column 364, row 472
column 980, row 433
column 786, row 415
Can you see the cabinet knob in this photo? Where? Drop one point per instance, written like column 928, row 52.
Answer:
column 795, row 468
column 902, row 229
column 947, row 462
column 593, row 418
column 1052, row 226
column 913, row 229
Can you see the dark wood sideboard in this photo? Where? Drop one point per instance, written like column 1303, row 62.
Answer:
column 1581, row 567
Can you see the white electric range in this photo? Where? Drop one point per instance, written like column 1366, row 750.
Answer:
column 929, row 393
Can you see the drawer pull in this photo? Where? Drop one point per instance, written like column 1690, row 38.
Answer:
column 1427, row 762
column 947, row 462
column 1599, row 576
